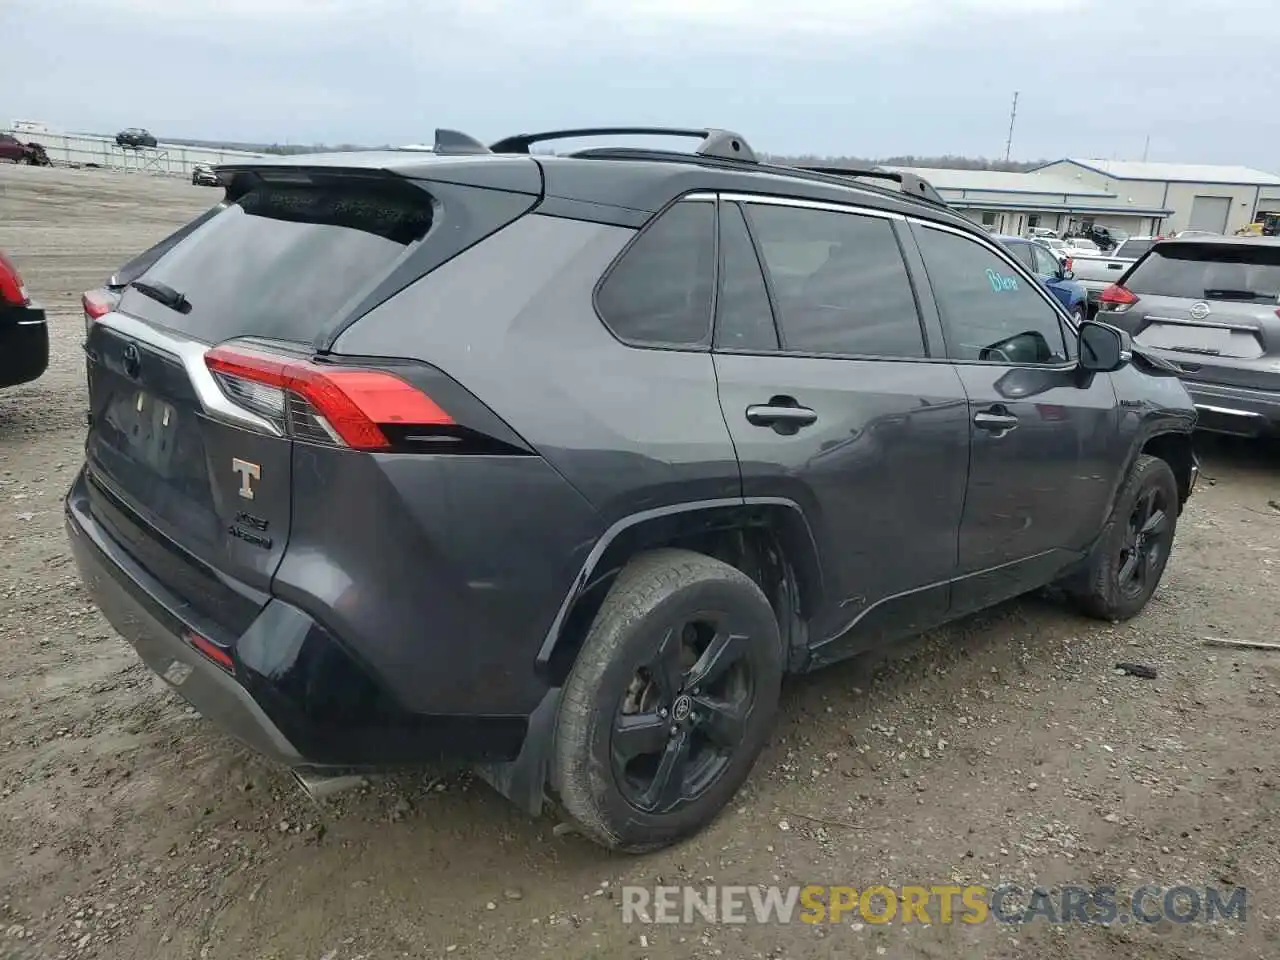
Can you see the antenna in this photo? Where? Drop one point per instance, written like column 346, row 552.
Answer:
column 1146, row 147
column 1013, row 115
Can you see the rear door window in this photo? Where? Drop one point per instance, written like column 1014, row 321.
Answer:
column 1247, row 273
column 839, row 283
column 660, row 291
column 1043, row 262
column 283, row 258
column 1023, row 251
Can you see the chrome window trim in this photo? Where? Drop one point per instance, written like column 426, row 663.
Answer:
column 773, row 200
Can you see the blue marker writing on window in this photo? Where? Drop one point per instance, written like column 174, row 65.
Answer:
column 1000, row 282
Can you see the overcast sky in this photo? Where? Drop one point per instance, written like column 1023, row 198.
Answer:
column 824, row 76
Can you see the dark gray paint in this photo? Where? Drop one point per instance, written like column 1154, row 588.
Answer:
column 444, row 577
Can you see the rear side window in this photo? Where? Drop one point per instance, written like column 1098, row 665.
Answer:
column 839, row 282
column 1243, row 272
column 660, row 291
column 282, row 259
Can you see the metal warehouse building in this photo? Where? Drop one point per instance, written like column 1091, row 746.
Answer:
column 1013, row 203
column 1199, row 196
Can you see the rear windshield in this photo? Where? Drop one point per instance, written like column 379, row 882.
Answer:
column 1209, row 272
column 1133, row 249
column 282, row 259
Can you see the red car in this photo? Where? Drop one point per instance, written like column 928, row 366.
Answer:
column 14, row 150
column 24, row 335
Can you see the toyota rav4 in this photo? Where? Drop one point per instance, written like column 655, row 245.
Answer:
column 558, row 464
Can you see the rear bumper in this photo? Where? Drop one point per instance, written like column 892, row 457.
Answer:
column 293, row 694
column 1235, row 410
column 24, row 344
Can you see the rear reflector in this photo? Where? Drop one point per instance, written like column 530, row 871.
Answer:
column 345, row 406
column 211, row 650
column 12, row 290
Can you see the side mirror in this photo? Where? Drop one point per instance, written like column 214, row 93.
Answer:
column 1103, row 348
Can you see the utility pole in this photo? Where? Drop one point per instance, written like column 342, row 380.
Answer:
column 1013, row 115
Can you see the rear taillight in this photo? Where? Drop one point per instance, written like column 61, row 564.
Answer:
column 1116, row 299
column 1068, row 264
column 96, row 304
column 322, row 403
column 12, row 290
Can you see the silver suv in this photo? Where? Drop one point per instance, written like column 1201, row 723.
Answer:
column 1211, row 307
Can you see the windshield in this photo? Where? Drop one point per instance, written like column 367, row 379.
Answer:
column 281, row 259
column 1135, row 248
column 1210, row 272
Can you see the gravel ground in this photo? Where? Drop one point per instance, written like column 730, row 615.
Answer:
column 1005, row 748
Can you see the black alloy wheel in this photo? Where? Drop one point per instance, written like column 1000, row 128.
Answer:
column 1145, row 544
column 684, row 714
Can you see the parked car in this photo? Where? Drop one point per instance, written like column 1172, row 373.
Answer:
column 24, row 334
column 1058, row 248
column 1037, row 233
column 1209, row 306
column 202, row 175
column 1082, row 247
column 135, row 138
column 1055, row 274
column 523, row 459
column 13, row 150
column 1097, row 273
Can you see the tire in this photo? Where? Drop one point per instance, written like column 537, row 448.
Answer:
column 1110, row 588
column 663, row 609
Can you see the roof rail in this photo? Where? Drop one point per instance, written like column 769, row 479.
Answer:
column 457, row 142
column 912, row 185
column 723, row 144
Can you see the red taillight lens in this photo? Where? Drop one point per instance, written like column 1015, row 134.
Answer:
column 1117, row 296
column 1068, row 264
column 12, row 290
column 341, row 405
column 96, row 304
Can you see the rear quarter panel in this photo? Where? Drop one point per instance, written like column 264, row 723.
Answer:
column 512, row 320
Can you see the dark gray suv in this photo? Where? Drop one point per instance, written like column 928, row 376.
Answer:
column 558, row 464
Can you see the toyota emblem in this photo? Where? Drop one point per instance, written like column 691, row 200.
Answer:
column 131, row 360
column 1199, row 310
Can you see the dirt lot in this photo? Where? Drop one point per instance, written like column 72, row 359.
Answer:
column 1005, row 748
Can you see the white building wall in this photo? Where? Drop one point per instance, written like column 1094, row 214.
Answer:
column 1178, row 197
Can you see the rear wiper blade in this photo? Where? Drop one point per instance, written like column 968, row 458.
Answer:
column 163, row 293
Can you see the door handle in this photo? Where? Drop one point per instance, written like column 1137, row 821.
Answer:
column 774, row 415
column 995, row 420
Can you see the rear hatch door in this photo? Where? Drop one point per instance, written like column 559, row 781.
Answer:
column 193, row 479
column 1211, row 308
